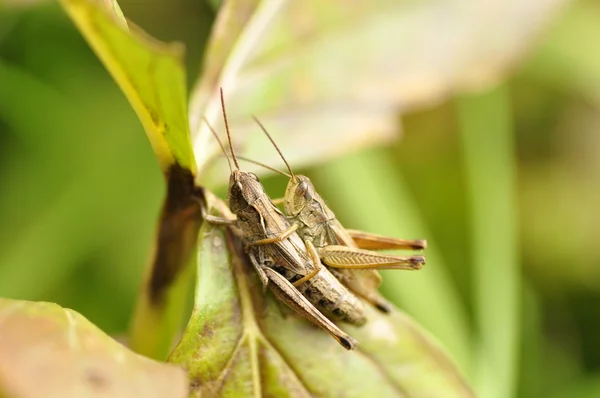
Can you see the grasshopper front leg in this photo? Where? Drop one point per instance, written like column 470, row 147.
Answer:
column 369, row 241
column 281, row 237
column 287, row 293
column 216, row 220
column 314, row 255
column 316, row 260
column 260, row 270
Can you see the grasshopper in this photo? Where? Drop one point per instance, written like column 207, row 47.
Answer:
column 347, row 253
column 280, row 256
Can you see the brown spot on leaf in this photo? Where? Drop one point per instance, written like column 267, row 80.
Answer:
column 177, row 230
column 98, row 381
column 195, row 383
column 208, row 330
column 153, row 115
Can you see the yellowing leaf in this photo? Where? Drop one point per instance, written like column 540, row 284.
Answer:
column 151, row 75
column 49, row 351
column 242, row 342
column 149, row 72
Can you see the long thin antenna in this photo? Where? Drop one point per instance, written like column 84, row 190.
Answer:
column 219, row 141
column 265, row 166
column 227, row 129
column 274, row 144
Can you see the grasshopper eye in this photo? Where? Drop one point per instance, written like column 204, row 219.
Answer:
column 302, row 188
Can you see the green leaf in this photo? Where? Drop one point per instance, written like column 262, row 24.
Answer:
column 582, row 387
column 149, row 72
column 324, row 73
column 151, row 75
column 564, row 60
column 497, row 276
column 49, row 351
column 242, row 342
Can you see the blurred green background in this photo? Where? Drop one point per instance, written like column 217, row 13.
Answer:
column 507, row 178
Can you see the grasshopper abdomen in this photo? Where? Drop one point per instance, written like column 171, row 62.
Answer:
column 326, row 292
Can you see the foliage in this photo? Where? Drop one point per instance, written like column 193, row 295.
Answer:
column 92, row 195
column 50, row 351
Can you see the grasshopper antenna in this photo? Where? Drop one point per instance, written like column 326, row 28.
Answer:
column 283, row 173
column 220, row 143
column 275, row 145
column 227, row 129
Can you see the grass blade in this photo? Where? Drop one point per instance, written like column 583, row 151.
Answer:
column 490, row 169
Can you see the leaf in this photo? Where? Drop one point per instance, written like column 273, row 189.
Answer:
column 160, row 308
column 497, row 272
column 229, row 24
column 242, row 342
column 151, row 75
column 563, row 59
column 149, row 72
column 326, row 79
column 49, row 351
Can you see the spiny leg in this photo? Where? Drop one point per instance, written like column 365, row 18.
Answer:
column 369, row 241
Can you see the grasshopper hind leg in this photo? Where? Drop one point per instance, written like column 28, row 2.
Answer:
column 370, row 241
column 377, row 301
column 286, row 292
column 363, row 283
column 383, row 305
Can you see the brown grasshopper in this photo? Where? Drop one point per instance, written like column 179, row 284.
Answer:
column 281, row 258
column 346, row 252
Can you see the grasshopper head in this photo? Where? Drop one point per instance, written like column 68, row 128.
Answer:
column 299, row 194
column 303, row 201
column 244, row 189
